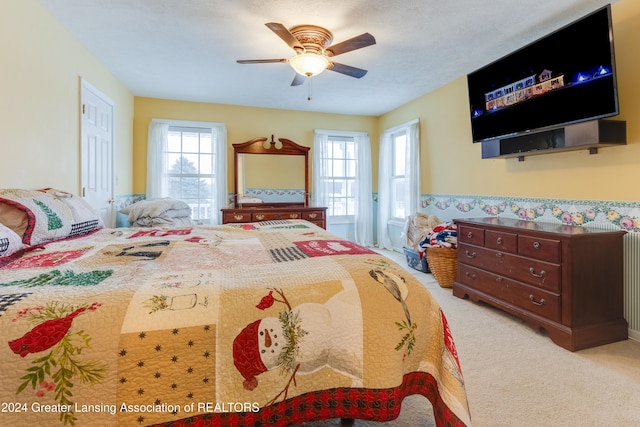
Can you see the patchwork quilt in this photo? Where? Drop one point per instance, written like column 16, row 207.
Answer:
column 260, row 324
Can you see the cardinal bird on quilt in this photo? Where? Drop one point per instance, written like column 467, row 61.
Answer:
column 46, row 334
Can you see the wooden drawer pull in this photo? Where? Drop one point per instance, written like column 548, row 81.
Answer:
column 470, row 275
column 538, row 303
column 534, row 274
column 470, row 255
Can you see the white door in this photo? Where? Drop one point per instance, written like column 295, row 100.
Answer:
column 97, row 165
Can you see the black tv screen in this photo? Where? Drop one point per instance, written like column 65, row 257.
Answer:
column 565, row 77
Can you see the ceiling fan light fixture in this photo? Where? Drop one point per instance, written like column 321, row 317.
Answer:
column 309, row 64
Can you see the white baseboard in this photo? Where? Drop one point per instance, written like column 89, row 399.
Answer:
column 634, row 335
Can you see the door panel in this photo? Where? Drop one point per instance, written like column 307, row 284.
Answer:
column 97, row 152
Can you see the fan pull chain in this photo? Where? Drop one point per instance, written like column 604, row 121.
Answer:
column 309, row 87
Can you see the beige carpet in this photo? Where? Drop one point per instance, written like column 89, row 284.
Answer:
column 516, row 376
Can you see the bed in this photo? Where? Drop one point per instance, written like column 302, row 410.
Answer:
column 257, row 324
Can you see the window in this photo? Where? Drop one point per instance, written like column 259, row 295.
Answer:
column 188, row 161
column 340, row 180
column 189, row 169
column 398, row 170
column 398, row 181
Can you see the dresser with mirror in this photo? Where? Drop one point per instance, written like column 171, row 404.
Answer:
column 271, row 182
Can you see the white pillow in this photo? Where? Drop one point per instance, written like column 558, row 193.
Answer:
column 85, row 218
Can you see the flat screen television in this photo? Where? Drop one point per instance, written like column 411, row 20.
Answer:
column 565, row 77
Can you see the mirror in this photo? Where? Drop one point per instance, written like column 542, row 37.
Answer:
column 271, row 172
column 264, row 177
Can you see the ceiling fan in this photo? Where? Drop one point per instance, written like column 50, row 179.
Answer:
column 314, row 51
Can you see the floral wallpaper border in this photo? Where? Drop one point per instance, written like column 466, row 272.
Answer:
column 616, row 214
column 275, row 192
column 274, row 195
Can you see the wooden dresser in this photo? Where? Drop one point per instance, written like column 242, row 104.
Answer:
column 565, row 280
column 272, row 211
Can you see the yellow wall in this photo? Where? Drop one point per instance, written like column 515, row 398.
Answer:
column 40, row 70
column 243, row 124
column 452, row 164
column 39, row 87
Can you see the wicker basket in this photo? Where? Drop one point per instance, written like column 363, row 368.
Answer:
column 443, row 263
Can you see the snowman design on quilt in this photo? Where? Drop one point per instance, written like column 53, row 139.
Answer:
column 303, row 339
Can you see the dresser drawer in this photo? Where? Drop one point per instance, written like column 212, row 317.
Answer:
column 480, row 257
column 257, row 213
column 507, row 242
column 528, row 270
column 535, row 247
column 533, row 272
column 471, row 235
column 237, row 217
column 313, row 215
column 270, row 216
column 529, row 298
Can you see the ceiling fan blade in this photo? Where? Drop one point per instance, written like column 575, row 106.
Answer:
column 298, row 80
column 259, row 61
column 282, row 32
column 348, row 70
column 358, row 42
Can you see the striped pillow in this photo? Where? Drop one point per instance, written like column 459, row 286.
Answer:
column 10, row 242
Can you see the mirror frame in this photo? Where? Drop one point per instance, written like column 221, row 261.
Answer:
column 285, row 148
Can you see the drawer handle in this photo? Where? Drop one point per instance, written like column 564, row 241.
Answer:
column 293, row 215
column 499, row 254
column 470, row 235
column 259, row 217
column 536, row 245
column 538, row 303
column 470, row 255
column 499, row 279
column 277, row 216
column 470, row 275
column 499, row 240
column 539, row 275
column 313, row 215
column 238, row 217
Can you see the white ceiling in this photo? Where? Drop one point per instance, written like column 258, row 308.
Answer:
column 187, row 49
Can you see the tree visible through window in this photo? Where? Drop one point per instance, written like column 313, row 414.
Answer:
column 340, row 181
column 190, row 172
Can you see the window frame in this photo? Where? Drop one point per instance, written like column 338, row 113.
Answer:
column 349, row 179
column 198, row 215
column 395, row 177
